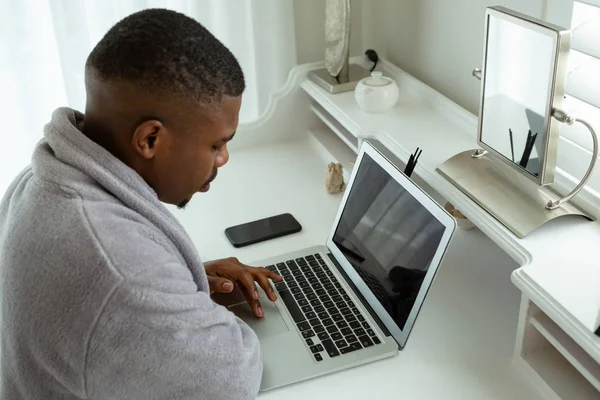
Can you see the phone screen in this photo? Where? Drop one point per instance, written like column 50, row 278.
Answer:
column 262, row 229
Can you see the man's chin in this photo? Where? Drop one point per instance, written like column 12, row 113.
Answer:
column 205, row 188
column 184, row 203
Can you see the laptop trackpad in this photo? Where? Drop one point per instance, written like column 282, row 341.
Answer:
column 272, row 324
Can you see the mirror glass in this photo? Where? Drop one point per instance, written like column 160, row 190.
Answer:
column 518, row 80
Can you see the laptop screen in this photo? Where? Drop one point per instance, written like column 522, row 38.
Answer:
column 390, row 238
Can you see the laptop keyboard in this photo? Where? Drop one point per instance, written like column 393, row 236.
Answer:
column 329, row 321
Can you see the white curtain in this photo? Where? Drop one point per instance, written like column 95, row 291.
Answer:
column 44, row 45
column 583, row 83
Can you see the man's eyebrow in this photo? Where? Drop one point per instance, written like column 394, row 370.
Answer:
column 229, row 138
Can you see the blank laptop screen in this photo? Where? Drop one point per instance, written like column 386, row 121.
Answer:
column 389, row 237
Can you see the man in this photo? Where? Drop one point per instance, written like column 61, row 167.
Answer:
column 103, row 294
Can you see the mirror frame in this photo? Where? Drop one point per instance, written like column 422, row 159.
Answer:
column 554, row 97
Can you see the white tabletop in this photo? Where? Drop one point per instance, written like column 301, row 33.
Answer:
column 462, row 343
column 560, row 260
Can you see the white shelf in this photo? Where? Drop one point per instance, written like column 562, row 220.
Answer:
column 559, row 261
column 330, row 143
column 560, row 375
column 412, row 123
column 408, row 126
column 350, row 141
column 332, row 149
column 423, row 118
column 556, row 370
column 571, row 351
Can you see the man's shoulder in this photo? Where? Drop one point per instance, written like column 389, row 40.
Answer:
column 131, row 242
column 42, row 222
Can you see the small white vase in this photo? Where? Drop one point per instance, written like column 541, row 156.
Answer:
column 377, row 93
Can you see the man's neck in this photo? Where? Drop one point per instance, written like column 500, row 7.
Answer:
column 102, row 136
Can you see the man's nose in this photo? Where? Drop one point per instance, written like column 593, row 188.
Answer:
column 222, row 157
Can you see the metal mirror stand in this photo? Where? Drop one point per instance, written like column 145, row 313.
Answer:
column 515, row 201
column 565, row 118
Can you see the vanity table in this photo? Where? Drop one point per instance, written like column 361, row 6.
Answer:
column 506, row 318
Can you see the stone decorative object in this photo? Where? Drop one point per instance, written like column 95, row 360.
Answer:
column 334, row 182
column 462, row 221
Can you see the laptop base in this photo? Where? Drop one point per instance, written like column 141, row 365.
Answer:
column 287, row 357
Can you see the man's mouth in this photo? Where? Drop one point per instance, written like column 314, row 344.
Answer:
column 207, row 184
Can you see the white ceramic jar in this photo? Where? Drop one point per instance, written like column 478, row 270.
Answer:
column 377, row 93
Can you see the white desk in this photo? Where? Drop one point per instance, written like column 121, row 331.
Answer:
column 479, row 336
column 461, row 346
column 559, row 274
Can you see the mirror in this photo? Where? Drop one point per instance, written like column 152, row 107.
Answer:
column 524, row 73
column 522, row 90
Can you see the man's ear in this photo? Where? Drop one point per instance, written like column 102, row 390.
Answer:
column 148, row 137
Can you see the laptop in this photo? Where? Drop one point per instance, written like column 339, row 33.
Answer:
column 355, row 299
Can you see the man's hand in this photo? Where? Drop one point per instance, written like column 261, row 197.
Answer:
column 223, row 274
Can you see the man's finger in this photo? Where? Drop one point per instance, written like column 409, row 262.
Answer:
column 261, row 277
column 246, row 281
column 270, row 274
column 253, row 303
column 219, row 285
column 275, row 277
column 257, row 309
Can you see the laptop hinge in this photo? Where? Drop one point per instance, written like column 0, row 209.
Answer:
column 359, row 295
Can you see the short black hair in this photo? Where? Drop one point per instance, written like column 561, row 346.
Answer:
column 163, row 50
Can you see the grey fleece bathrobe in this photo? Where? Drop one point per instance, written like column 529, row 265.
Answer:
column 103, row 293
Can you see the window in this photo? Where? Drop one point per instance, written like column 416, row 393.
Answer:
column 44, row 45
column 583, row 87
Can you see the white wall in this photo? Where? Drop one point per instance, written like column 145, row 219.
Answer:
column 440, row 41
column 437, row 41
column 309, row 16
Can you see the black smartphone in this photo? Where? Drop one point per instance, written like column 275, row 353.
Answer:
column 262, row 229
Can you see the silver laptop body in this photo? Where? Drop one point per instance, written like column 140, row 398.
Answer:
column 354, row 300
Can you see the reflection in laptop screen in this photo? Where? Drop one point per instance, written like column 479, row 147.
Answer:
column 388, row 237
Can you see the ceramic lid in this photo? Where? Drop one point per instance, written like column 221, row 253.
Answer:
column 377, row 79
